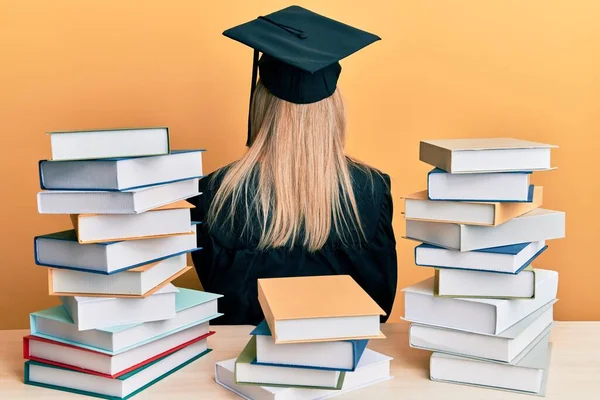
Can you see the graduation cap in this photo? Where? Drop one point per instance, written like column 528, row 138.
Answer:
column 300, row 53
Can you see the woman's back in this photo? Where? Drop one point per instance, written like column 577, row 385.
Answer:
column 231, row 260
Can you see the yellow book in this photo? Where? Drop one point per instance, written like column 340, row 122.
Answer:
column 318, row 308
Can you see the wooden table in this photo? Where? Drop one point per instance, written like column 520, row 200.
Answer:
column 574, row 372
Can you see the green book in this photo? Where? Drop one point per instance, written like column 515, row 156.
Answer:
column 484, row 284
column 247, row 372
column 121, row 388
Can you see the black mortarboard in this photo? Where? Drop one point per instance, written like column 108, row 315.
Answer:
column 301, row 50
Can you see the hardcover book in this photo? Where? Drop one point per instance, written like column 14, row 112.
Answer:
column 133, row 201
column 339, row 356
column 249, row 373
column 107, row 143
column 486, row 316
column 109, row 366
column 504, row 347
column 526, row 375
column 502, row 186
column 172, row 219
column 123, row 387
column 485, row 285
column 62, row 250
column 510, row 259
column 373, row 368
column 419, row 207
column 536, row 225
column 194, row 308
column 119, row 174
column 137, row 282
column 101, row 312
column 318, row 308
column 485, row 155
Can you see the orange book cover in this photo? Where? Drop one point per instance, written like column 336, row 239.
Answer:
column 314, row 297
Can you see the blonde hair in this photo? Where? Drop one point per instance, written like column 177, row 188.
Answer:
column 294, row 181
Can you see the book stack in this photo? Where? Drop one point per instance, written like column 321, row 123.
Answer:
column 487, row 312
column 313, row 343
column 122, row 325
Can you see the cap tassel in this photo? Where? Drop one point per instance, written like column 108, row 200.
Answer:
column 252, row 89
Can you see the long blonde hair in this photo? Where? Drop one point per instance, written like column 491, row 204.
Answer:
column 294, row 181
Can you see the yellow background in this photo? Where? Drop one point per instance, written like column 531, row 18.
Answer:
column 445, row 69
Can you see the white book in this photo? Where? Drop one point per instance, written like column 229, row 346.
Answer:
column 372, row 368
column 140, row 281
column 462, row 283
column 487, row 316
column 193, row 308
column 62, row 250
column 503, row 186
column 104, row 202
column 527, row 375
column 172, row 219
column 50, row 351
column 536, row 225
column 505, row 346
column 100, row 312
column 505, row 259
column 485, row 155
column 121, row 173
column 69, row 380
column 108, row 143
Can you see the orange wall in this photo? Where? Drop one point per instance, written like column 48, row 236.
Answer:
column 529, row 69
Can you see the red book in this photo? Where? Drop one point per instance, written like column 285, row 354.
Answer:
column 109, row 366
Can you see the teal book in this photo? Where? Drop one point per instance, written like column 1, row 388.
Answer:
column 121, row 388
column 193, row 308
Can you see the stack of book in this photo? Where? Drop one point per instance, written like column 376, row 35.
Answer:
column 122, row 325
column 312, row 344
column 487, row 312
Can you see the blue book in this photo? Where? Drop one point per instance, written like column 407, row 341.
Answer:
column 121, row 388
column 337, row 356
column 119, row 174
column 62, row 250
column 194, row 310
column 505, row 259
column 484, row 187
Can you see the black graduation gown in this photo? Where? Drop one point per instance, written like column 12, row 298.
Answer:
column 231, row 267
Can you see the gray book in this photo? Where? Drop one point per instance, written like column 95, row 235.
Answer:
column 528, row 374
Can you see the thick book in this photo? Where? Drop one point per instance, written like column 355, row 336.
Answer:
column 117, row 174
column 107, row 143
column 477, row 284
column 485, row 155
column 373, row 368
column 249, row 373
column 342, row 355
column 62, row 250
column 419, row 207
column 138, row 282
column 500, row 186
column 318, row 308
column 536, row 225
column 101, row 312
column 109, row 366
column 121, row 388
column 487, row 316
column 510, row 259
column 103, row 202
column 194, row 308
column 528, row 374
column 504, row 347
column 172, row 219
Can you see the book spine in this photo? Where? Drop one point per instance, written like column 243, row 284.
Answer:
column 436, row 156
column 267, row 311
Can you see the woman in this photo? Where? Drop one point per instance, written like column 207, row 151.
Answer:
column 294, row 204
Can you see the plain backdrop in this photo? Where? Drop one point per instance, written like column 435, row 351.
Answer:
column 444, row 69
